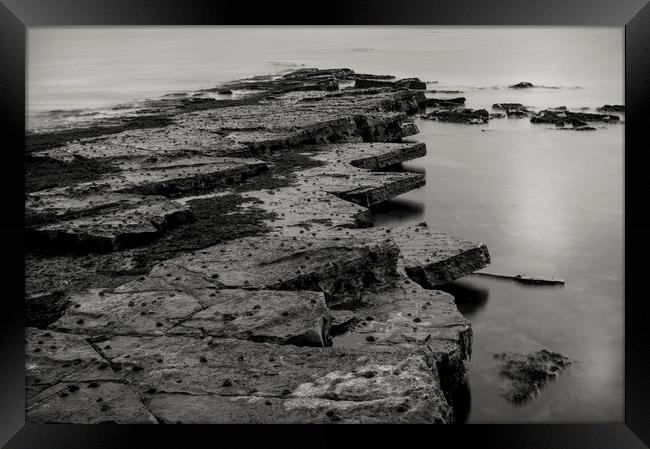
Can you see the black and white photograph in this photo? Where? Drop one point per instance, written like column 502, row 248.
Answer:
column 324, row 224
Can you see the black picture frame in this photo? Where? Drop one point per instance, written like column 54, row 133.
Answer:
column 16, row 15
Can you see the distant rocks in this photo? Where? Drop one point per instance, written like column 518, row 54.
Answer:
column 513, row 110
column 412, row 83
column 525, row 375
column 521, row 85
column 506, row 106
column 372, row 77
column 444, row 91
column 406, row 83
column 445, row 102
column 459, row 115
column 578, row 120
column 518, row 113
column 612, row 108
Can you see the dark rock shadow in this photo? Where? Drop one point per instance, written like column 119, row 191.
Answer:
column 469, row 298
column 462, row 402
column 394, row 212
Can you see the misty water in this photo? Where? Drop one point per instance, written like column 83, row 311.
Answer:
column 545, row 201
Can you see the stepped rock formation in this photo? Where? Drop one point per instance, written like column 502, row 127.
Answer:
column 218, row 264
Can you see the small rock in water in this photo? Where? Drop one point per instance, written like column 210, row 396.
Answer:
column 525, row 375
column 521, row 85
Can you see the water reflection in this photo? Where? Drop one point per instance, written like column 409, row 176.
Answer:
column 470, row 299
column 397, row 212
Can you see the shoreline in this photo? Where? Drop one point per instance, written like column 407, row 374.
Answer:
column 166, row 295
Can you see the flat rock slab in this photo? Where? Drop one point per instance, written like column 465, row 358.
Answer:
column 330, row 196
column 335, row 265
column 526, row 279
column 428, row 257
column 145, row 143
column 126, row 209
column 53, row 357
column 69, row 203
column 404, row 317
column 221, row 380
column 115, row 228
column 103, row 402
column 359, row 186
column 177, row 177
column 301, row 211
column 299, row 318
column 525, row 375
column 370, row 156
column 408, row 316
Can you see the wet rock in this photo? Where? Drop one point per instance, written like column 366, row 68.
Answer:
column 406, row 83
column 444, row 91
column 328, row 84
column 412, row 83
column 526, row 279
column 518, row 113
column 529, row 279
column 506, row 106
column 372, row 77
column 521, row 85
column 619, row 108
column 525, row 375
column 409, row 129
column 554, row 116
column 459, row 115
column 445, row 102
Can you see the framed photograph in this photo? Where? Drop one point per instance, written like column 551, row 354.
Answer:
column 361, row 214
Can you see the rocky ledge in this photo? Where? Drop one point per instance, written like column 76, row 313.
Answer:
column 201, row 259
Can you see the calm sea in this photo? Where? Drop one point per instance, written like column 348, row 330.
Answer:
column 545, row 201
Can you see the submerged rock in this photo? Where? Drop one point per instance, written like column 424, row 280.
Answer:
column 525, row 375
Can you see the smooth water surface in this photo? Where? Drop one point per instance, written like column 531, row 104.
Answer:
column 545, row 201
